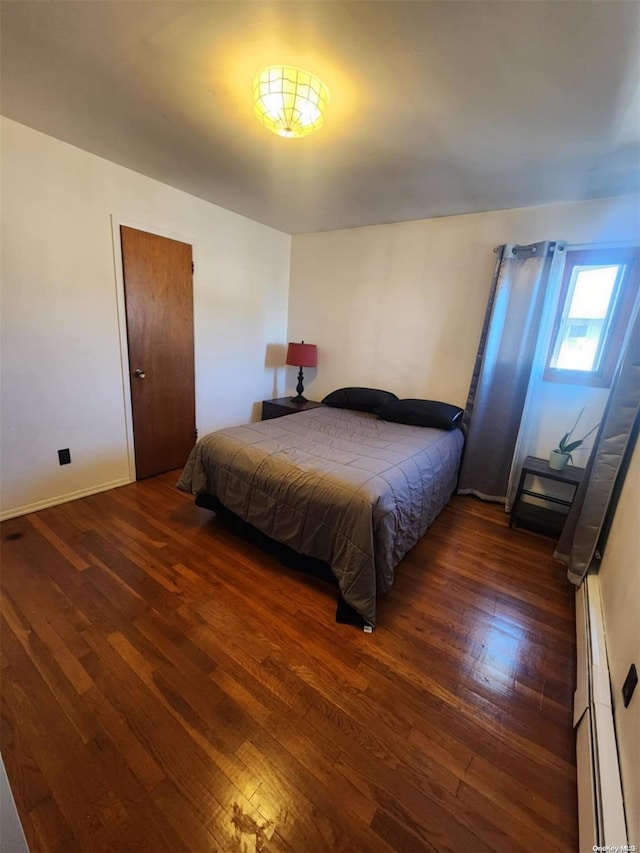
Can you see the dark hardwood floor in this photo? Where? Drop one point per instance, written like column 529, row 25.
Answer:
column 167, row 686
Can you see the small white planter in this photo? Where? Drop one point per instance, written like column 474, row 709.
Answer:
column 558, row 461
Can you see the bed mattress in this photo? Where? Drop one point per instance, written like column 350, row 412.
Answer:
column 341, row 486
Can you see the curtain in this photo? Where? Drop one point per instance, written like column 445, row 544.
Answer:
column 579, row 538
column 503, row 368
column 530, row 417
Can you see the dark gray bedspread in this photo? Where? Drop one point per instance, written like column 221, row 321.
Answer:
column 334, row 484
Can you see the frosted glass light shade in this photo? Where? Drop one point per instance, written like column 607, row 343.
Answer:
column 289, row 101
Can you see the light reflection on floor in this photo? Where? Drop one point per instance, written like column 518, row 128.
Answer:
column 499, row 653
column 250, row 836
column 251, row 832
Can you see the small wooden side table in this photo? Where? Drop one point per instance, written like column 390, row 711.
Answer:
column 282, row 406
column 548, row 520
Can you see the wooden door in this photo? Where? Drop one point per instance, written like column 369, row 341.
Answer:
column 158, row 286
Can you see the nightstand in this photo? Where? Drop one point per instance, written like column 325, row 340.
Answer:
column 548, row 520
column 282, row 406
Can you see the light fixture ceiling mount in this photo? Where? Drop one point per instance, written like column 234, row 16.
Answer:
column 289, row 101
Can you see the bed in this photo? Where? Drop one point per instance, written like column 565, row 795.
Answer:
column 340, row 486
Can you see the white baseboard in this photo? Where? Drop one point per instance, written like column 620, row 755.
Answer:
column 600, row 798
column 62, row 499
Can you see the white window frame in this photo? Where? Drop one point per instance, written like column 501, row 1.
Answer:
column 623, row 300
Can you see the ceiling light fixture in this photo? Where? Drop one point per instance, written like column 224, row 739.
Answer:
column 289, row 101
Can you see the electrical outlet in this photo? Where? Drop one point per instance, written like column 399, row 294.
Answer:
column 64, row 456
column 629, row 684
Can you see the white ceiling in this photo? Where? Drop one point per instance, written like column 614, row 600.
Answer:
column 436, row 108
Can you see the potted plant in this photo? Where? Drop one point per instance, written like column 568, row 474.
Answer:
column 559, row 457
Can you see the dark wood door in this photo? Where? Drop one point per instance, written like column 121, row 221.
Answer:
column 158, row 286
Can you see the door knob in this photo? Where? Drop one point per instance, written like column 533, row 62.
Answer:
column 139, row 374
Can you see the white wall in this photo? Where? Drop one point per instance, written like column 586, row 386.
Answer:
column 620, row 590
column 61, row 358
column 401, row 306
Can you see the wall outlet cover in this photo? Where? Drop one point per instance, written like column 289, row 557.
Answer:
column 64, row 456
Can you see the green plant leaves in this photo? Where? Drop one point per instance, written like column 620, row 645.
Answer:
column 569, row 448
column 561, row 446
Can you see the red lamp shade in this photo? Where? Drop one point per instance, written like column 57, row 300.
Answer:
column 302, row 355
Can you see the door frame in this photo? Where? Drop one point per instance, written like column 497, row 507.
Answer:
column 116, row 222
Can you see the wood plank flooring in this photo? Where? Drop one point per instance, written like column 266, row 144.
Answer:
column 167, row 687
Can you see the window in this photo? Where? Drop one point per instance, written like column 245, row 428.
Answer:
column 598, row 292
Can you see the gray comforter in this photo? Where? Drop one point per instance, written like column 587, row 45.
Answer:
column 341, row 486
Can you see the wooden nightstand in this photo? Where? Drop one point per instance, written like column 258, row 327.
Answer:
column 548, row 520
column 282, row 406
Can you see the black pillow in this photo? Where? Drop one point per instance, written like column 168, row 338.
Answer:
column 359, row 399
column 424, row 413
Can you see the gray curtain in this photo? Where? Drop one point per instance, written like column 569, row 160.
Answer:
column 503, row 368
column 586, row 518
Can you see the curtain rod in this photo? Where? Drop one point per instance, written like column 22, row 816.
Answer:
column 574, row 247
column 531, row 247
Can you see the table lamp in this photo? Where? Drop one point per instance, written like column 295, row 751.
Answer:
column 301, row 355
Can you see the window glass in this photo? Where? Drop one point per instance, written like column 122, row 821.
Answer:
column 588, row 309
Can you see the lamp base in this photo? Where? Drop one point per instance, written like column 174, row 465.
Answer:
column 299, row 388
